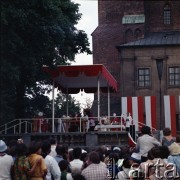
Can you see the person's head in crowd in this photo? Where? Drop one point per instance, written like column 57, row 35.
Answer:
column 62, row 150
column 21, row 149
column 93, row 157
column 166, row 131
column 118, row 151
column 146, row 130
column 63, row 165
column 85, row 162
column 126, row 163
column 135, row 158
column 46, row 148
column 150, row 155
column 77, row 152
column 3, row 146
column 107, row 153
column 52, row 141
column 101, row 156
column 35, row 147
column 114, row 155
column 178, row 139
column 156, row 152
column 174, row 149
column 125, row 151
column 83, row 156
column 116, row 148
column 12, row 147
column 78, row 177
column 102, row 149
column 164, row 152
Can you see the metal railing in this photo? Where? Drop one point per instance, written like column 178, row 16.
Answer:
column 62, row 125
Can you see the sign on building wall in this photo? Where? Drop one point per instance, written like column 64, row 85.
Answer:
column 133, row 19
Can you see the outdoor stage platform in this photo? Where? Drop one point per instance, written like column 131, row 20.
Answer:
column 72, row 139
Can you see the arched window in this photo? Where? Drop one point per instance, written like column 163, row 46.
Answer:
column 167, row 14
column 129, row 35
column 137, row 34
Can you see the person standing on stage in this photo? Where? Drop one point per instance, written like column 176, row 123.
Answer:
column 128, row 122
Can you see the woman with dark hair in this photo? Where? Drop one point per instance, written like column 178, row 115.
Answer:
column 63, row 164
column 35, row 155
column 146, row 142
column 22, row 169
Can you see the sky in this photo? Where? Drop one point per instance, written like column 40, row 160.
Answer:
column 88, row 23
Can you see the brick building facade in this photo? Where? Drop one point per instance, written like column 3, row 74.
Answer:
column 131, row 37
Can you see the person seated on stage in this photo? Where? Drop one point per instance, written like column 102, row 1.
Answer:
column 105, row 120
column 85, row 118
column 45, row 126
column 115, row 119
column 73, row 125
column 91, row 123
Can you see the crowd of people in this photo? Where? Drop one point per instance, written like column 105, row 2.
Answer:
column 48, row 160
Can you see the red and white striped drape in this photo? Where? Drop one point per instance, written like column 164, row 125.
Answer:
column 143, row 110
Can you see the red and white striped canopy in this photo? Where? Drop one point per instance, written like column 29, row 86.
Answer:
column 72, row 79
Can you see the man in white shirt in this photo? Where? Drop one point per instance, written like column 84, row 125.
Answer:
column 76, row 164
column 146, row 142
column 6, row 162
column 52, row 165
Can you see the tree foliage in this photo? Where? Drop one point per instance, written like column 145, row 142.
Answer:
column 35, row 33
column 61, row 104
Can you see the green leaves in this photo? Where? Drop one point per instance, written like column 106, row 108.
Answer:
column 35, row 33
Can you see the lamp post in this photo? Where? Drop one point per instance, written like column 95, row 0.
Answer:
column 159, row 64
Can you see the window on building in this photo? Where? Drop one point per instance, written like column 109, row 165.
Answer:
column 174, row 76
column 137, row 34
column 144, row 77
column 129, row 35
column 167, row 14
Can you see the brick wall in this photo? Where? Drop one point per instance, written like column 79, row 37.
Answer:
column 111, row 33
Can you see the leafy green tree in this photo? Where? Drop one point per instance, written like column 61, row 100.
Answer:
column 61, row 105
column 34, row 33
